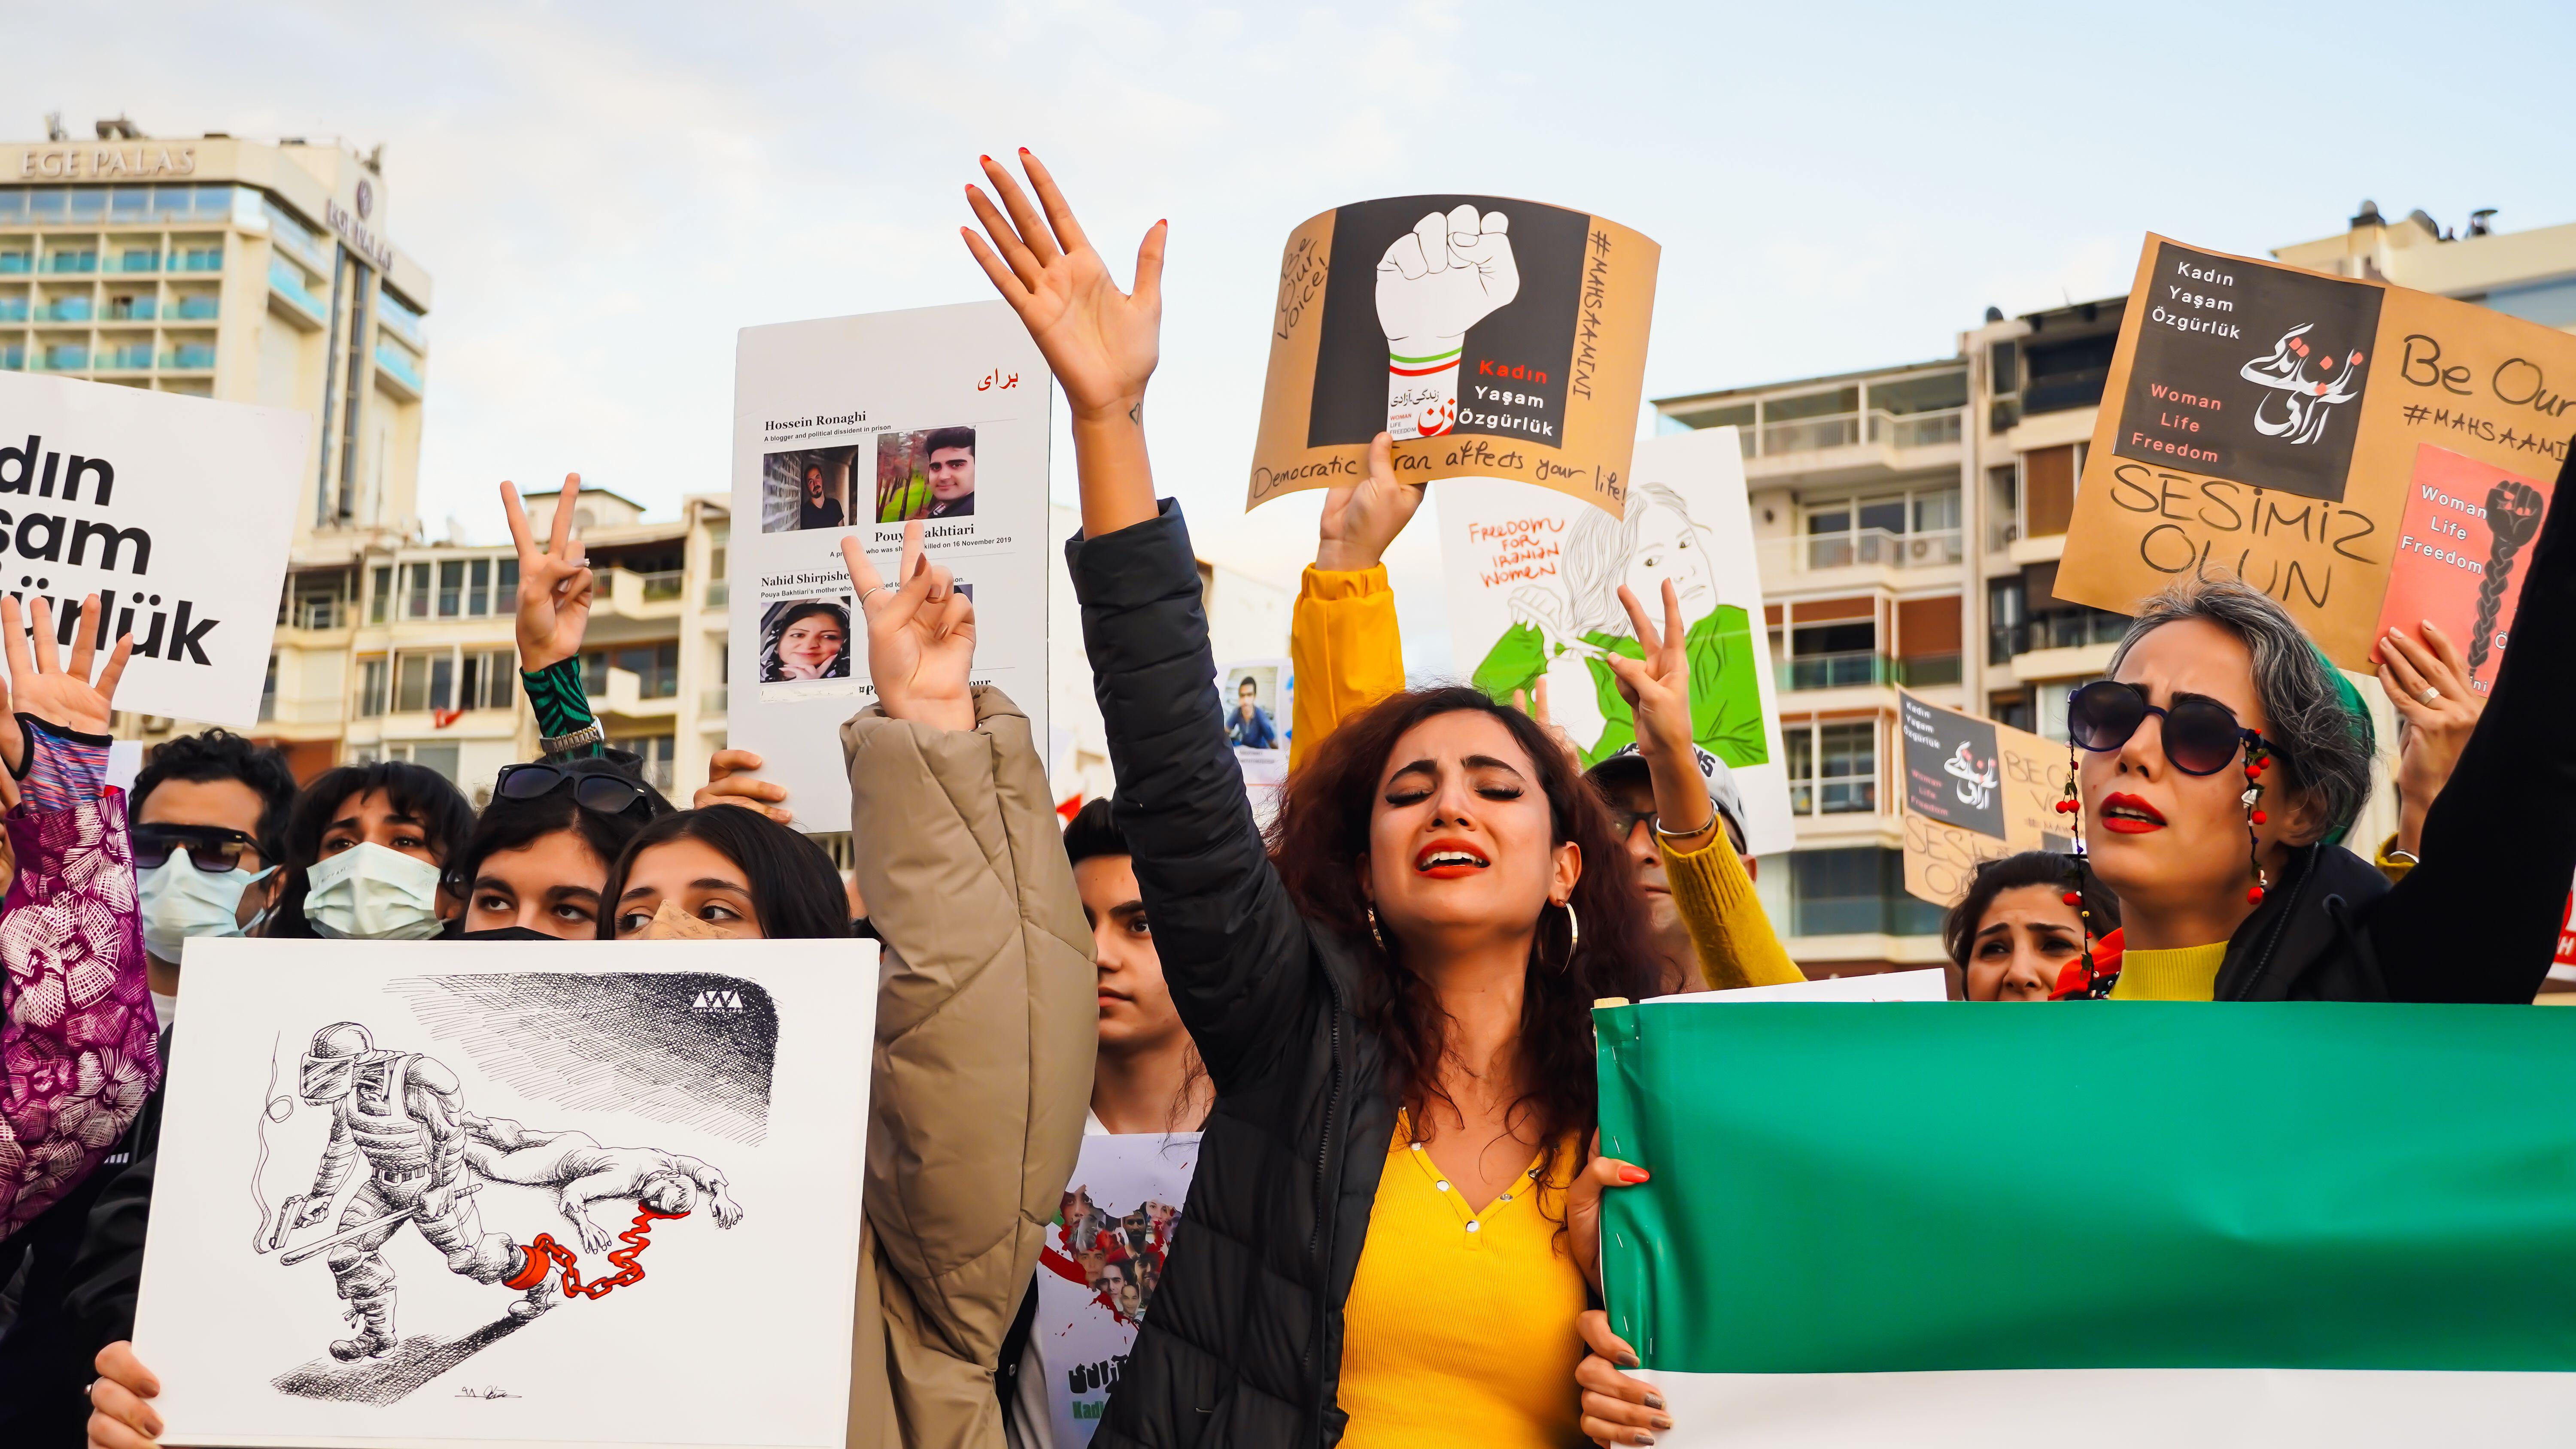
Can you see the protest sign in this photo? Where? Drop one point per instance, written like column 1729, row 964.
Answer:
column 852, row 425
column 1927, row 985
column 2463, row 530
column 1493, row 337
column 1102, row 1261
column 511, row 1193
column 2289, row 428
column 1952, row 1257
column 176, row 511
column 1974, row 791
column 1533, row 579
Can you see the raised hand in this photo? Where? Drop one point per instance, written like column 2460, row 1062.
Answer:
column 1101, row 343
column 2428, row 682
column 921, row 636
column 554, row 581
column 1439, row 279
column 1657, row 689
column 1361, row 519
column 38, row 684
column 730, row 782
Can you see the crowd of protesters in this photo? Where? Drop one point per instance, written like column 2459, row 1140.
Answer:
column 1376, row 1012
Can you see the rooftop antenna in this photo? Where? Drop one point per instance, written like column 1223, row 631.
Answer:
column 2478, row 223
column 54, row 127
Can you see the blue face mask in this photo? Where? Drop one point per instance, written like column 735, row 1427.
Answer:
column 180, row 901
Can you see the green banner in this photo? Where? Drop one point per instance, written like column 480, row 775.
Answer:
column 1930, row 1186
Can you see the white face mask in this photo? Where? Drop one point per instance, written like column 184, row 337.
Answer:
column 372, row 893
column 180, row 901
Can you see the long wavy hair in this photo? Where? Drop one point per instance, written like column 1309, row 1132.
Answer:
column 1317, row 844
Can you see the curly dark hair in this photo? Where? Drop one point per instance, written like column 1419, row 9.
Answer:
column 1316, row 845
column 218, row 754
column 2008, row 872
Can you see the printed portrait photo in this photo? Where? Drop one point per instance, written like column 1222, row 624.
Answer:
column 1254, row 719
column 928, row 474
column 803, row 639
column 808, row 488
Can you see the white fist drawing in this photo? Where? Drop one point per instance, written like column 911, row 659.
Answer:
column 1439, row 279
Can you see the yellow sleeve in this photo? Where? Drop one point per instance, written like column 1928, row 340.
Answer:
column 1737, row 946
column 1343, row 646
column 2395, row 870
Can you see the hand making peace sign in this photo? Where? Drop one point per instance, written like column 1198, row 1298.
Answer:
column 921, row 635
column 554, row 582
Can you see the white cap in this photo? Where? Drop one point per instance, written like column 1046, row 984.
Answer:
column 1713, row 772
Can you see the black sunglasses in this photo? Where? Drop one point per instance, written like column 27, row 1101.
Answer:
column 605, row 794
column 2201, row 736
column 214, row 848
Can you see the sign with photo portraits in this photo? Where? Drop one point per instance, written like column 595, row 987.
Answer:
column 1489, row 336
column 176, row 511
column 2280, row 426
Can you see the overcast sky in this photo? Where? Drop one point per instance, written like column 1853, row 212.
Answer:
column 604, row 193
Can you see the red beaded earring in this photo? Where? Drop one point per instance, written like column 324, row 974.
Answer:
column 2071, row 803
column 2257, row 760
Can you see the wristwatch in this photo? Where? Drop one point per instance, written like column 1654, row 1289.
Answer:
column 589, row 734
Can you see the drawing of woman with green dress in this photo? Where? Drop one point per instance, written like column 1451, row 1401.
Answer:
column 1562, row 633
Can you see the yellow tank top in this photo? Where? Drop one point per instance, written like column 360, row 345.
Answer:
column 1459, row 1328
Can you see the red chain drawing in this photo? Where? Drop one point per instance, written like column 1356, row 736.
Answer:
column 624, row 1260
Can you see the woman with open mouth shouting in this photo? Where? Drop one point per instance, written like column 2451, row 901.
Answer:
column 1393, row 998
column 2224, row 756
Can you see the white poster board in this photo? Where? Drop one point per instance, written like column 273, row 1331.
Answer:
column 1533, row 576
column 553, row 1098
column 176, row 511
column 1932, row 984
column 1102, row 1261
column 852, row 424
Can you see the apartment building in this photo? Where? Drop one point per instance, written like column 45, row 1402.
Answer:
column 1910, row 522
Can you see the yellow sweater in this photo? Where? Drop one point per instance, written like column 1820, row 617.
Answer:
column 1347, row 655
column 2188, row 973
column 1459, row 1328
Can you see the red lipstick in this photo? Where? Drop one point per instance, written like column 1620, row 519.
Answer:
column 1450, row 859
column 2128, row 815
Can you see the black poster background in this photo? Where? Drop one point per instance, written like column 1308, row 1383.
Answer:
column 2235, row 323
column 1932, row 740
column 1535, row 330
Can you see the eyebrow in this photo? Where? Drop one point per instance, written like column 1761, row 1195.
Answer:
column 570, row 893
column 1127, row 908
column 1488, row 762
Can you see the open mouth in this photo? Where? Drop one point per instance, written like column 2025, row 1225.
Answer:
column 2128, row 815
column 1449, row 859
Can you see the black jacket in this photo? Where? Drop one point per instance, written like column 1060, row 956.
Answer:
column 1244, row 1345
column 2478, row 920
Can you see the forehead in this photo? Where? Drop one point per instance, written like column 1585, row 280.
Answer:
column 1452, row 737
column 951, row 455
column 368, row 806
column 685, row 859
column 229, row 804
column 2030, row 903
column 2194, row 656
column 559, row 858
column 1106, row 881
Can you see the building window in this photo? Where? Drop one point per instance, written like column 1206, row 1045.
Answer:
column 424, row 679
column 381, row 590
column 656, row 668
column 478, row 588
column 416, row 591
column 2067, row 375
column 487, row 676
column 1834, row 655
column 1855, row 892
column 655, row 751
column 1833, row 768
column 442, row 757
column 268, row 690
column 1907, row 529
column 372, row 676
column 2051, row 696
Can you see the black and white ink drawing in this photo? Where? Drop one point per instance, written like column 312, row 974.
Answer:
column 407, row 1151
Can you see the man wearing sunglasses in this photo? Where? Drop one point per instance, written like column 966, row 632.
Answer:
column 209, row 824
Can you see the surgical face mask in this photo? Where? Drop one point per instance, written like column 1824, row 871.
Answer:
column 372, row 893
column 180, row 901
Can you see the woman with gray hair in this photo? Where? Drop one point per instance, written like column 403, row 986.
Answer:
column 2223, row 757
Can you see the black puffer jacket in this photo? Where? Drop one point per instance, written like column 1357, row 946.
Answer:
column 1244, row 1344
column 2478, row 920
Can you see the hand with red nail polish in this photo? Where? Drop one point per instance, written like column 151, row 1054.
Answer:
column 1583, row 1205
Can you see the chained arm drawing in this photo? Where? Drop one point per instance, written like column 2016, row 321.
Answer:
column 583, row 1172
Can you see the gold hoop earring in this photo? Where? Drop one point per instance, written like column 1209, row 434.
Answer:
column 1573, row 929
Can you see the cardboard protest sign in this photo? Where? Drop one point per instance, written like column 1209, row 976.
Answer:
column 1493, row 337
column 1974, row 791
column 176, row 511
column 2462, row 532
column 854, row 425
column 1102, row 1261
column 502, row 1192
column 1533, row 577
column 2271, row 423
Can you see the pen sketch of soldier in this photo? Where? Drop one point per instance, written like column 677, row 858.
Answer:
column 1565, row 634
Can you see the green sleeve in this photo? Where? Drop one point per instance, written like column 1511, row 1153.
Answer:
column 1726, row 690
column 561, row 705
column 1515, row 662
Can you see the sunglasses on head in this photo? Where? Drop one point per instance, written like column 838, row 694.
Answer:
column 605, row 794
column 2201, row 736
column 214, row 848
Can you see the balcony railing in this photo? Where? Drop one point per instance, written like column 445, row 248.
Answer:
column 2056, row 629
column 71, row 358
column 71, row 262
column 664, row 586
column 130, row 309
column 1833, row 797
column 16, row 262
column 1925, row 670
column 1843, row 430
column 288, row 282
column 1914, row 430
column 64, row 309
column 13, row 359
column 719, row 591
column 13, row 309
column 196, row 309
column 392, row 360
column 191, row 356
column 1867, row 547
column 1836, row 671
column 130, row 357
column 713, row 700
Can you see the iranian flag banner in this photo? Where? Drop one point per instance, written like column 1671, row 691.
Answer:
column 2129, row 1224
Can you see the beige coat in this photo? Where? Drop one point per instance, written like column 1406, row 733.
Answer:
column 985, row 1031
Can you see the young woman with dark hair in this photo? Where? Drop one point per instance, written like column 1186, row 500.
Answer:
column 365, row 848
column 736, row 871
column 538, row 861
column 1393, row 1001
column 2013, row 935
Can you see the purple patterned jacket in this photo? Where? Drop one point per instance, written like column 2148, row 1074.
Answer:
column 79, row 1046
